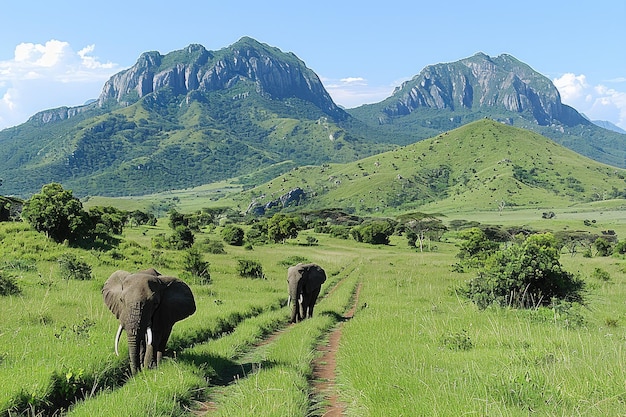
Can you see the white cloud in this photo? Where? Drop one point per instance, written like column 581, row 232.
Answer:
column 351, row 92
column 44, row 76
column 598, row 102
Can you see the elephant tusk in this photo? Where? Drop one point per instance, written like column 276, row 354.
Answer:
column 289, row 301
column 149, row 336
column 117, row 339
column 301, row 298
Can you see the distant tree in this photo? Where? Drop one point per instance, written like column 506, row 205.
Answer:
column 281, row 227
column 376, row 232
column 177, row 219
column 475, row 245
column 140, row 218
column 233, row 235
column 57, row 213
column 182, row 238
column 420, row 227
column 603, row 246
column 108, row 220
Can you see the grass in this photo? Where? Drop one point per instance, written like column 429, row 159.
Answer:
column 413, row 347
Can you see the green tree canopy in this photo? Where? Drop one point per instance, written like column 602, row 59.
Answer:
column 57, row 213
column 281, row 227
column 527, row 274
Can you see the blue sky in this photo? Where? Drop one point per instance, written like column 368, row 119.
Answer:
column 61, row 53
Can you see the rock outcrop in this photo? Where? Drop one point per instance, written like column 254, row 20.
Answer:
column 274, row 73
column 482, row 81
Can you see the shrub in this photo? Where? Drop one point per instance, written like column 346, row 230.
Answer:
column 72, row 268
column 233, row 235
column 527, row 274
column 250, row 269
column 376, row 232
column 8, row 284
column 196, row 266
column 601, row 275
column 293, row 260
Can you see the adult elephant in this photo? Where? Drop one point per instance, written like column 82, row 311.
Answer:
column 304, row 282
column 147, row 304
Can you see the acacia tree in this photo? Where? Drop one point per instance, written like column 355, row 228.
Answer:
column 57, row 213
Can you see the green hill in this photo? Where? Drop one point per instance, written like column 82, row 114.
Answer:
column 484, row 165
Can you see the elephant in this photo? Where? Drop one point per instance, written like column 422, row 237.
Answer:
column 304, row 282
column 147, row 304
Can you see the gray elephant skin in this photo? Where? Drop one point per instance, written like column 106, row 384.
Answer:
column 304, row 282
column 147, row 305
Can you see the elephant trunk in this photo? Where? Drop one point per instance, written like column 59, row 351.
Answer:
column 136, row 330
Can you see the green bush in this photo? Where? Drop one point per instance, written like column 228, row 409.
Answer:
column 73, row 268
column 8, row 284
column 376, row 232
column 196, row 266
column 249, row 268
column 527, row 274
column 233, row 235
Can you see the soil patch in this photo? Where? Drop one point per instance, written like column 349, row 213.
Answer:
column 325, row 365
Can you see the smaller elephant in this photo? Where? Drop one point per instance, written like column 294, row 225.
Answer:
column 147, row 304
column 304, row 282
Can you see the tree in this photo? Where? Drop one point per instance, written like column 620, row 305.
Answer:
column 476, row 245
column 281, row 227
column 527, row 274
column 376, row 232
column 108, row 220
column 57, row 213
column 421, row 227
column 233, row 235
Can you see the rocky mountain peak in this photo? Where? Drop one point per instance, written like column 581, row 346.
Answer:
column 274, row 73
column 483, row 81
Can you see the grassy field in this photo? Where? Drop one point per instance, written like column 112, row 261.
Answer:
column 413, row 347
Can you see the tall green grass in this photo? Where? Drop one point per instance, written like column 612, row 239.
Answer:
column 413, row 347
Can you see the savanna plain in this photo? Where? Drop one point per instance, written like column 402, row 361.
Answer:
column 414, row 346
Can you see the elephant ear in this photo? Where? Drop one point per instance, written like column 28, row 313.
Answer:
column 112, row 292
column 177, row 298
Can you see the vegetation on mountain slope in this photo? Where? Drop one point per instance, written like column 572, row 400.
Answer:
column 194, row 117
column 483, row 165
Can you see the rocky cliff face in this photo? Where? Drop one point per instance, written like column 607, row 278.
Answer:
column 482, row 81
column 274, row 73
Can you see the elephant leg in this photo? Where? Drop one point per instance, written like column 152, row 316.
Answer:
column 312, row 299
column 160, row 348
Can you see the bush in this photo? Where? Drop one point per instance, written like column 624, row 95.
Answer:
column 527, row 274
column 376, row 232
column 8, row 284
column 293, row 260
column 250, row 269
column 196, row 266
column 233, row 235
column 72, row 268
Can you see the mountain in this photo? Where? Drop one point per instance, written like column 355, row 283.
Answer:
column 609, row 126
column 186, row 118
column 484, row 165
column 445, row 96
column 250, row 111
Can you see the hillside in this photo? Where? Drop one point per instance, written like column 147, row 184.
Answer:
column 250, row 111
column 448, row 95
column 184, row 119
column 481, row 166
